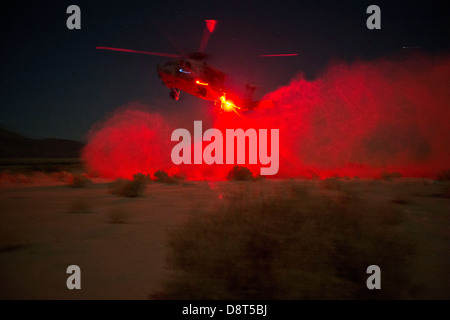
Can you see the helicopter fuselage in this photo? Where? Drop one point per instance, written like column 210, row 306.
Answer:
column 194, row 77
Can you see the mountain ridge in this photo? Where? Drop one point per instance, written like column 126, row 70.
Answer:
column 13, row 145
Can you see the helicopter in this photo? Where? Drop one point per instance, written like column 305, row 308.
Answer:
column 192, row 74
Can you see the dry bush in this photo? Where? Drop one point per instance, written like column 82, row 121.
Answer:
column 240, row 174
column 291, row 245
column 181, row 176
column 79, row 181
column 142, row 178
column 63, row 176
column 388, row 176
column 127, row 188
column 163, row 177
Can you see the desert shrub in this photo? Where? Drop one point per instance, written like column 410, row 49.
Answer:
column 388, row 176
column 79, row 181
column 163, row 177
column 314, row 176
column 61, row 176
column 142, row 178
column 127, row 188
column 240, row 173
column 180, row 176
column 292, row 245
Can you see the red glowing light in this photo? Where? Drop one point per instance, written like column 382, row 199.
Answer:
column 201, row 83
column 210, row 24
column 228, row 105
column 129, row 142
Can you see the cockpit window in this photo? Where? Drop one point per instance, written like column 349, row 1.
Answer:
column 183, row 70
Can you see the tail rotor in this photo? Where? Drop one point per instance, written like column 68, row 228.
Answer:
column 209, row 28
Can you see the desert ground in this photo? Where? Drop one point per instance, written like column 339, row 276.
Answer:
column 125, row 247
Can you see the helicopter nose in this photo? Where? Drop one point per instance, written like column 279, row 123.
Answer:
column 160, row 68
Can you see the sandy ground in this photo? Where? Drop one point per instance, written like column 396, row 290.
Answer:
column 45, row 227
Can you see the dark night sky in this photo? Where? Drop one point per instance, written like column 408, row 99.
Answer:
column 56, row 84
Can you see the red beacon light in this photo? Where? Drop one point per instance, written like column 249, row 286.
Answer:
column 201, row 83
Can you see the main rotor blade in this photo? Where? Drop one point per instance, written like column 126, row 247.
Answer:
column 209, row 28
column 172, row 41
column 279, row 55
column 170, row 55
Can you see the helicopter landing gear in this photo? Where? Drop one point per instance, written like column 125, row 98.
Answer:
column 174, row 93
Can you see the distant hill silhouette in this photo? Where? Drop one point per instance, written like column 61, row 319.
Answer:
column 13, row 145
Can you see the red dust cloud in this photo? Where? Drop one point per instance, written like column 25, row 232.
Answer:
column 129, row 142
column 358, row 119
